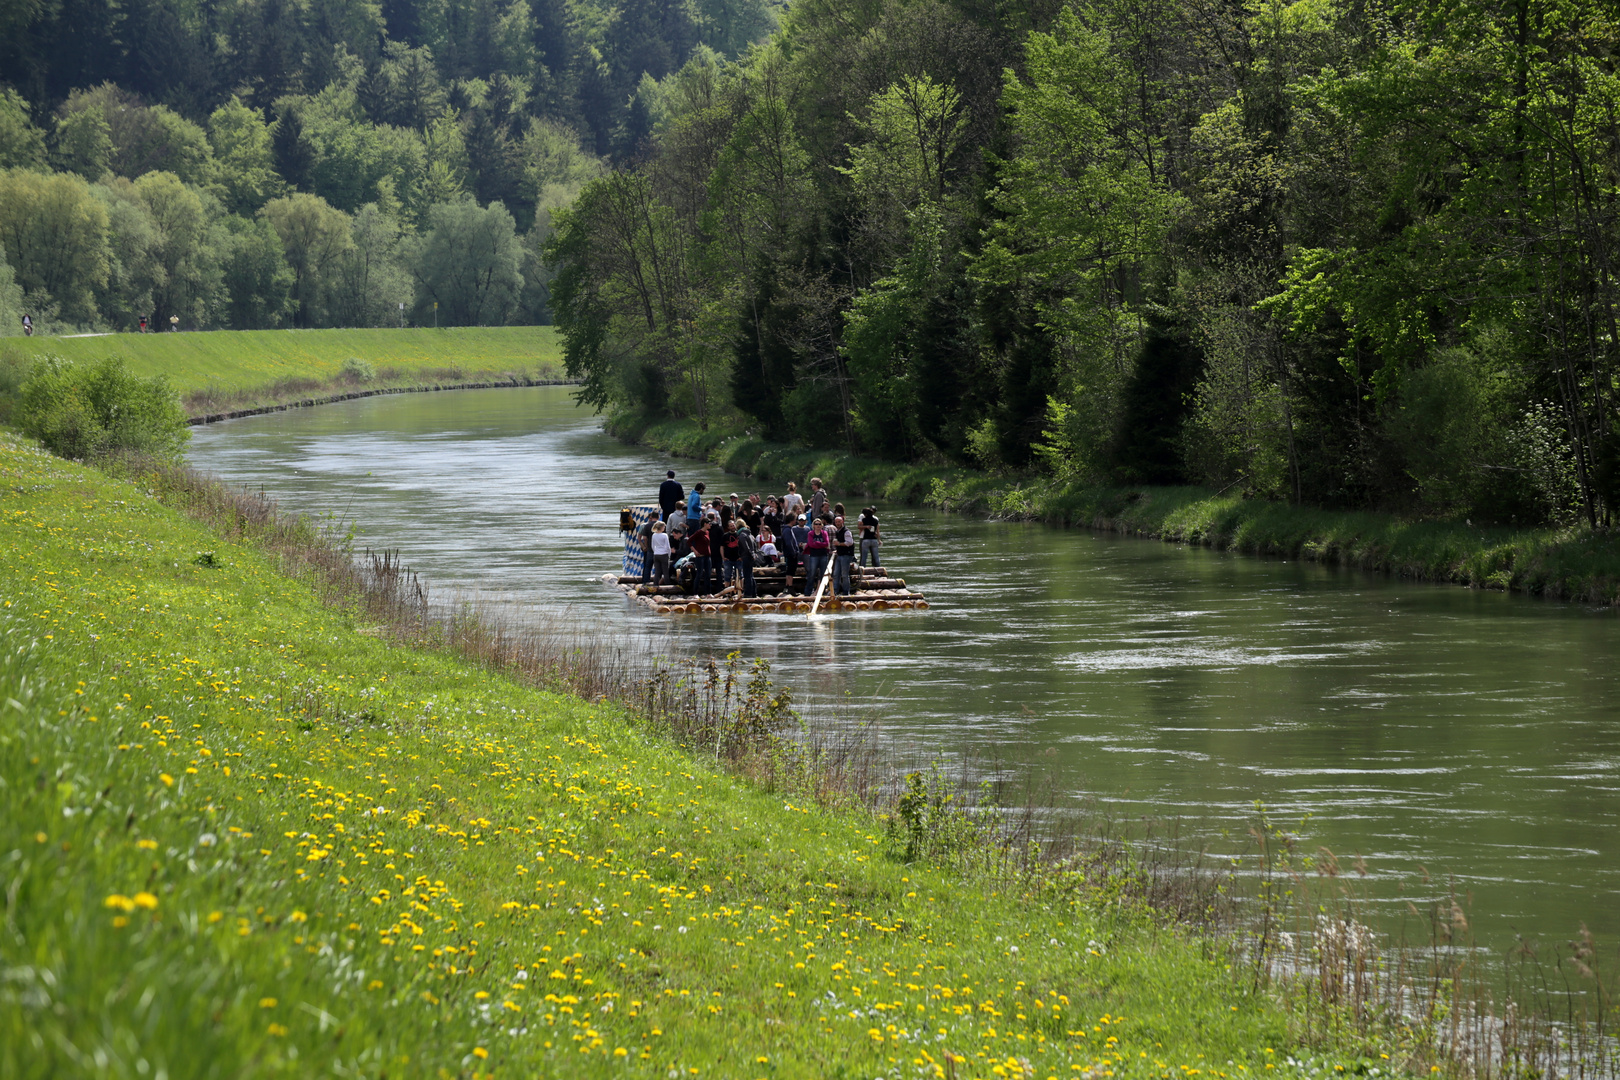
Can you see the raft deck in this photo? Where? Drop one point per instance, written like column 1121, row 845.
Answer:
column 874, row 589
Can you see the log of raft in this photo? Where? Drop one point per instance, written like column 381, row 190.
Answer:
column 874, row 591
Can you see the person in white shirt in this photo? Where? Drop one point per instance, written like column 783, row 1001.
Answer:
column 660, row 553
column 793, row 502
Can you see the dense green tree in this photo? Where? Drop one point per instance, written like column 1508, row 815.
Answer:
column 290, row 147
column 256, row 282
column 243, row 146
column 146, row 139
column 54, row 231
column 22, row 143
column 467, row 265
column 315, row 240
column 11, row 299
column 186, row 283
column 83, row 144
column 133, row 266
column 372, row 282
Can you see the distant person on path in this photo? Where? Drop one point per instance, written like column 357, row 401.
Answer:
column 871, row 536
column 174, row 323
column 660, row 553
column 143, row 324
column 793, row 502
column 671, row 496
column 817, row 552
column 694, row 507
column 28, row 326
column 818, row 501
column 843, row 542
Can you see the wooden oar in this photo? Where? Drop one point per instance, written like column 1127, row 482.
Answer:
column 821, row 588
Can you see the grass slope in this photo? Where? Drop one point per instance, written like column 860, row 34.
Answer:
column 1570, row 564
column 227, row 369
column 241, row 835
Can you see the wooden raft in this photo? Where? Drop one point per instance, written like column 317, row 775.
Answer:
column 874, row 589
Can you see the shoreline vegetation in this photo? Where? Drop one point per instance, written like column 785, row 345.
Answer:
column 222, row 374
column 1574, row 564
column 264, row 804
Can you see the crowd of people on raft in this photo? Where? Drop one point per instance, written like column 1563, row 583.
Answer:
column 719, row 543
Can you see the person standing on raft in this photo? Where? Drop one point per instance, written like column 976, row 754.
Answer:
column 694, row 507
column 671, row 496
column 818, row 501
column 843, row 545
column 871, row 536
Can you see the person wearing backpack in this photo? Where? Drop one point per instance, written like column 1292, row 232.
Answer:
column 737, row 549
column 791, row 544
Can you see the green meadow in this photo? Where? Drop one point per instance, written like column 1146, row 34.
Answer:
column 220, row 370
column 246, row 832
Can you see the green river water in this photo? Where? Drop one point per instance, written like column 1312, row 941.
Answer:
column 1455, row 740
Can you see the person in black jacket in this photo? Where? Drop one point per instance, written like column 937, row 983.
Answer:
column 671, row 496
column 843, row 545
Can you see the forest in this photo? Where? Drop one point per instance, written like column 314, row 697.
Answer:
column 1350, row 253
column 253, row 164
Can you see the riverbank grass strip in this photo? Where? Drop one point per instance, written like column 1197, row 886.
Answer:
column 225, row 370
column 1576, row 564
column 239, row 832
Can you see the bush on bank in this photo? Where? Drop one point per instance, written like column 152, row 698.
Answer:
column 87, row 411
column 1576, row 563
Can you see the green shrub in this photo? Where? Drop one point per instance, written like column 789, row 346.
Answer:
column 95, row 410
column 14, row 367
column 357, row 370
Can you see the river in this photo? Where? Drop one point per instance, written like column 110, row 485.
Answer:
column 1451, row 738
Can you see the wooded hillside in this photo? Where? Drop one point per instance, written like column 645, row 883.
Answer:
column 263, row 163
column 1349, row 252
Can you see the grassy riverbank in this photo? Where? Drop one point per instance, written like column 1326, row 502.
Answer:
column 223, row 370
column 1570, row 564
column 244, row 831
